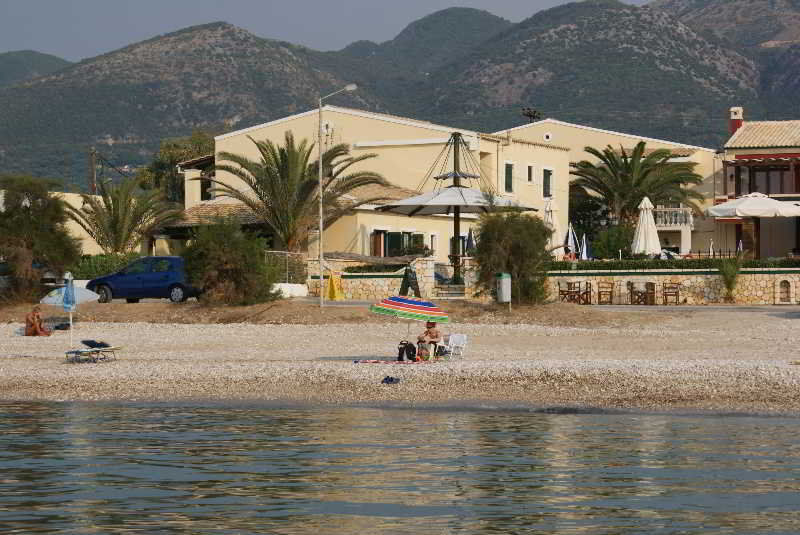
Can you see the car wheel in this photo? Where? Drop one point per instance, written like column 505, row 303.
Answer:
column 131, row 300
column 177, row 294
column 105, row 294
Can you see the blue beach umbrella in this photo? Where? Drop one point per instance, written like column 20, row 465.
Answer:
column 68, row 297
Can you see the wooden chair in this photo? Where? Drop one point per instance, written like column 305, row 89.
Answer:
column 585, row 294
column 646, row 296
column 568, row 292
column 650, row 293
column 671, row 293
column 605, row 293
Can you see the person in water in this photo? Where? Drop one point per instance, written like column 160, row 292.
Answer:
column 431, row 335
column 34, row 326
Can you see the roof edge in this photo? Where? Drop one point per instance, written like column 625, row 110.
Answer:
column 613, row 132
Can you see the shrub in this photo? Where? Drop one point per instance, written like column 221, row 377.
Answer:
column 375, row 268
column 729, row 270
column 610, row 241
column 93, row 266
column 515, row 243
column 228, row 265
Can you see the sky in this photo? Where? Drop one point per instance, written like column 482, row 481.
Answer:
column 78, row 29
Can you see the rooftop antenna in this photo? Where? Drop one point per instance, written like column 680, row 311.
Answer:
column 532, row 114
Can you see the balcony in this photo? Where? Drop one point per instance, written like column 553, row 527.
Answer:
column 673, row 218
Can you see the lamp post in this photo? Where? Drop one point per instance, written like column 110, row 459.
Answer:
column 348, row 87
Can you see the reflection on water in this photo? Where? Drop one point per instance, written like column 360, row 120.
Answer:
column 92, row 468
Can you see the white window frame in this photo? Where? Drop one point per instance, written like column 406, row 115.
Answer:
column 513, row 176
column 552, row 182
column 433, row 241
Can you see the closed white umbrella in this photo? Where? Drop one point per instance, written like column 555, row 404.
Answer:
column 551, row 220
column 645, row 239
column 754, row 205
column 571, row 241
column 739, row 247
column 584, row 248
column 69, row 297
column 711, row 247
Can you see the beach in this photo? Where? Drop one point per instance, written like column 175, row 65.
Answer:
column 723, row 359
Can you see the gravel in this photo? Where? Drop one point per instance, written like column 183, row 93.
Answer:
column 730, row 361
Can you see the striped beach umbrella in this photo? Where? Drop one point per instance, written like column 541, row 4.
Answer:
column 410, row 309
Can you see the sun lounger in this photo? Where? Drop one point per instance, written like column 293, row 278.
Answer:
column 95, row 352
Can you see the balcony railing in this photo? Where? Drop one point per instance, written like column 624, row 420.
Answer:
column 673, row 217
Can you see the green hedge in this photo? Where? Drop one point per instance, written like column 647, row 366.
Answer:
column 90, row 267
column 692, row 263
column 374, row 268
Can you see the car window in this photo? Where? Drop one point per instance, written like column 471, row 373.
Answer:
column 160, row 266
column 137, row 268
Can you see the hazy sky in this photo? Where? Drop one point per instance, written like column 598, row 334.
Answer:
column 77, row 29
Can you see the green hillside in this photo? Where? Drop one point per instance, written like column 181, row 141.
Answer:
column 26, row 64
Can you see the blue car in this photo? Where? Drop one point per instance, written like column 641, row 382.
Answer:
column 151, row 276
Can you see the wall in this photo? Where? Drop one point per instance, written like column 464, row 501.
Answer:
column 373, row 286
column 697, row 287
column 577, row 137
column 88, row 245
column 406, row 151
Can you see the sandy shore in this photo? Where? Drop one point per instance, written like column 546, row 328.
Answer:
column 721, row 360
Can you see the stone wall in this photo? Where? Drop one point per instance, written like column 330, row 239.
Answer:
column 697, row 287
column 373, row 286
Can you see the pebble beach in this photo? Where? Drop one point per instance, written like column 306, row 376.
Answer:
column 724, row 360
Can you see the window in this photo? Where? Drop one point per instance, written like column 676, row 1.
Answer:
column 138, row 267
column 161, row 265
column 433, row 243
column 509, row 178
column 384, row 243
column 530, row 174
column 547, row 186
column 205, row 188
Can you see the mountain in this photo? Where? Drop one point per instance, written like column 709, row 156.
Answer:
column 27, row 64
column 434, row 40
column 766, row 30
column 602, row 63
column 597, row 62
column 127, row 100
column 746, row 23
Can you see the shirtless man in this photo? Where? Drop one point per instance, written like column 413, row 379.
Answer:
column 34, row 325
column 431, row 335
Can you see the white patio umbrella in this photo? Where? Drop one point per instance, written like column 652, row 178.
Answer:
column 755, row 205
column 739, row 247
column 571, row 241
column 551, row 220
column 711, row 247
column 69, row 297
column 584, row 248
column 645, row 238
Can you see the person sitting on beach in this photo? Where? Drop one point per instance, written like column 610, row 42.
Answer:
column 431, row 335
column 34, row 326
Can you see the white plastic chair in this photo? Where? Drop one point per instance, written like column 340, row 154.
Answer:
column 456, row 345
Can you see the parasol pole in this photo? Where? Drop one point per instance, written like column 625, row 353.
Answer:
column 456, row 210
column 70, row 329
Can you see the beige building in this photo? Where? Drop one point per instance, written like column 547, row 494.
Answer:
column 763, row 157
column 678, row 228
column 526, row 170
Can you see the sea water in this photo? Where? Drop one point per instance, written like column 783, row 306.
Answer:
column 212, row 469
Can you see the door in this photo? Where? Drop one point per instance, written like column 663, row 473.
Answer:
column 129, row 281
column 156, row 281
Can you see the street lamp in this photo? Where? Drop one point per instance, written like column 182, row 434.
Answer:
column 348, row 87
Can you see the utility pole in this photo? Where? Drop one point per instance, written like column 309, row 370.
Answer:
column 532, row 114
column 92, row 171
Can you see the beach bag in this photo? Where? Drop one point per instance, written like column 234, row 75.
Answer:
column 406, row 350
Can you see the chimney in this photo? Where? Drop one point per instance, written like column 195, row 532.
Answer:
column 737, row 118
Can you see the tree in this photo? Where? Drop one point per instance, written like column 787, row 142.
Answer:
column 515, row 243
column 162, row 173
column 587, row 213
column 229, row 265
column 610, row 241
column 33, row 233
column 622, row 180
column 122, row 215
column 282, row 186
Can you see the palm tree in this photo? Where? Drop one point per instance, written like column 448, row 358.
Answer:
column 622, row 180
column 283, row 186
column 122, row 215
